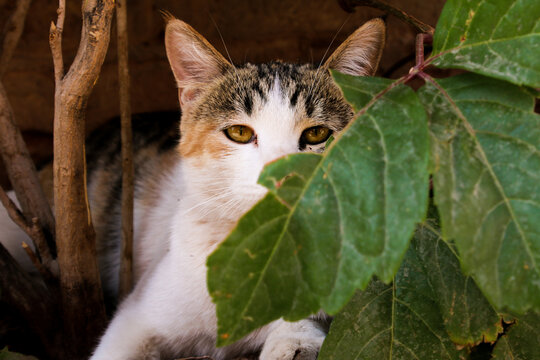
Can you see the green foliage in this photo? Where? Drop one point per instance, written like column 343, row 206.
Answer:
column 486, row 159
column 350, row 215
column 5, row 354
column 522, row 341
column 497, row 38
column 430, row 307
column 332, row 222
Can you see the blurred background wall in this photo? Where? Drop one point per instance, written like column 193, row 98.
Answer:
column 253, row 31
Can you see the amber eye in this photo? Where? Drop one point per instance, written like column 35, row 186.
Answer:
column 240, row 134
column 315, row 135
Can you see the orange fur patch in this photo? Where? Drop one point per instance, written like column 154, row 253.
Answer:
column 203, row 142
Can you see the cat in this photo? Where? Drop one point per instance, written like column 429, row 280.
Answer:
column 192, row 189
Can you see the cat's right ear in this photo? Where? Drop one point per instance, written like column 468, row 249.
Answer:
column 193, row 60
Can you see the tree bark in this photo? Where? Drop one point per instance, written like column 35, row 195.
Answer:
column 80, row 285
column 126, row 261
column 22, row 173
column 12, row 32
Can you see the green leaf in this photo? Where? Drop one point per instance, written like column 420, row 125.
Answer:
column 522, row 341
column 8, row 355
column 468, row 317
column 343, row 217
column 287, row 177
column 411, row 318
column 486, row 164
column 497, row 38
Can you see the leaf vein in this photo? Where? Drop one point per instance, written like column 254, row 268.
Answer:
column 487, row 164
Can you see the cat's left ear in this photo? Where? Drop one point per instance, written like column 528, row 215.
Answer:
column 193, row 60
column 359, row 55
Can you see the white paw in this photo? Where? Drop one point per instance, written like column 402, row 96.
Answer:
column 293, row 341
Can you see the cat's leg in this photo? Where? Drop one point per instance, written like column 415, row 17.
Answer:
column 168, row 312
column 300, row 340
column 129, row 337
column 137, row 329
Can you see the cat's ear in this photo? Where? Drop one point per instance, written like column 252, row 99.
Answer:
column 359, row 55
column 193, row 60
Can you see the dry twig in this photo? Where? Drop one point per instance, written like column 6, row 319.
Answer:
column 349, row 5
column 55, row 41
column 12, row 32
column 46, row 264
column 21, row 291
column 19, row 166
column 126, row 263
column 80, row 284
column 23, row 177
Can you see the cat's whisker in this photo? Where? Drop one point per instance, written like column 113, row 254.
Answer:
column 224, row 208
column 209, row 200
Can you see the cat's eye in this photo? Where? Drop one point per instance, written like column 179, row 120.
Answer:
column 240, row 134
column 315, row 135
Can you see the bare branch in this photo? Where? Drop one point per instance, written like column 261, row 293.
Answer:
column 126, row 263
column 47, row 260
column 12, row 32
column 22, row 173
column 37, row 263
column 45, row 263
column 349, row 5
column 80, row 284
column 55, row 42
column 13, row 211
column 19, row 166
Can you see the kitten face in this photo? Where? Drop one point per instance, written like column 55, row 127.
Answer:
column 278, row 102
column 237, row 119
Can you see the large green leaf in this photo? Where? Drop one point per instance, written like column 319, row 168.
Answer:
column 430, row 306
column 468, row 317
column 498, row 38
column 343, row 217
column 522, row 341
column 486, row 164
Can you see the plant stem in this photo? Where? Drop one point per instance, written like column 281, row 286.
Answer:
column 126, row 260
column 349, row 5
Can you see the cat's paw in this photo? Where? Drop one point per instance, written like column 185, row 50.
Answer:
column 293, row 341
column 292, row 349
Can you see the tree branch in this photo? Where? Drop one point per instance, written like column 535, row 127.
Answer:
column 55, row 42
column 19, row 166
column 349, row 5
column 46, row 266
column 126, row 263
column 80, row 285
column 12, row 32
column 22, row 174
